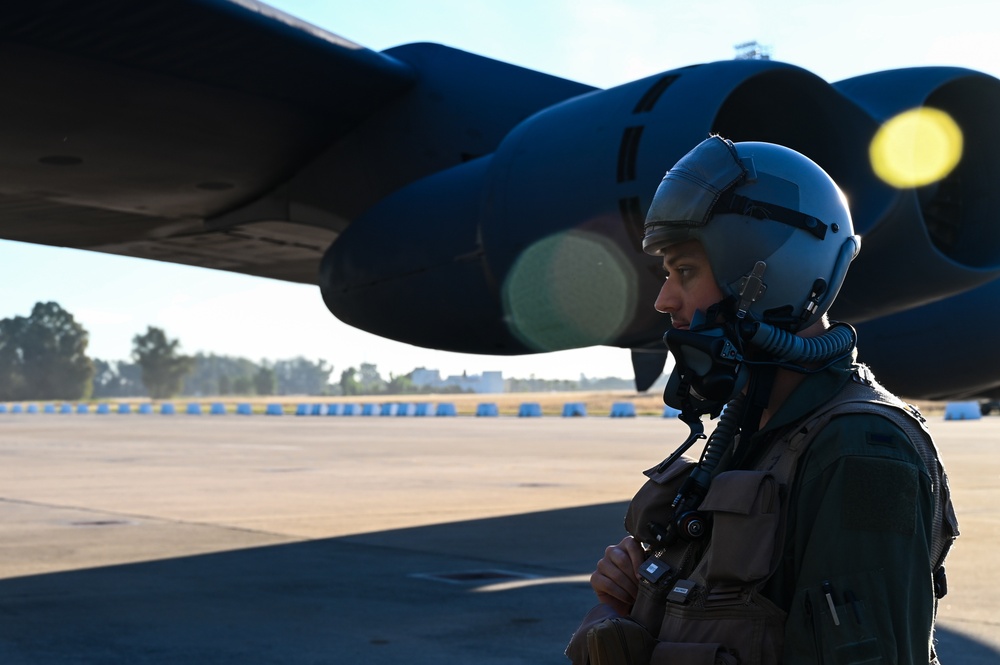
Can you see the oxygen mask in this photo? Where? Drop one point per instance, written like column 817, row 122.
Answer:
column 708, row 367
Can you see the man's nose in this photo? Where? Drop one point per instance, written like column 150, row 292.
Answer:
column 667, row 301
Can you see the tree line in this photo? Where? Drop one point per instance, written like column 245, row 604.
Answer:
column 44, row 356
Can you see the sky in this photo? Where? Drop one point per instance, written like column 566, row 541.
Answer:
column 599, row 43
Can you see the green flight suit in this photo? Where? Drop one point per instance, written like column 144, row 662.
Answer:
column 859, row 529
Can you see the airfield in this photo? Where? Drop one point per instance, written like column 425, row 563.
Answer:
column 156, row 539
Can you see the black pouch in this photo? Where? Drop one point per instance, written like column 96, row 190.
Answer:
column 652, row 503
column 619, row 641
column 745, row 507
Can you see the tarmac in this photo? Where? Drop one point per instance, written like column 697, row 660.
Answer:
column 227, row 539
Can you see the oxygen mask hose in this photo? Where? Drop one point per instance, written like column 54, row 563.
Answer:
column 786, row 347
column 716, row 447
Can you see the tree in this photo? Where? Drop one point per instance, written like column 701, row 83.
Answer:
column 349, row 382
column 44, row 356
column 163, row 367
column 117, row 379
column 264, row 381
column 299, row 376
column 371, row 381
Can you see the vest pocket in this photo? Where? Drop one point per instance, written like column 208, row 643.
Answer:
column 745, row 506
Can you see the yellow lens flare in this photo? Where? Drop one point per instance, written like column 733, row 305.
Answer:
column 916, row 147
column 569, row 290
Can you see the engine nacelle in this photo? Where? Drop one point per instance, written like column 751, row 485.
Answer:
column 537, row 246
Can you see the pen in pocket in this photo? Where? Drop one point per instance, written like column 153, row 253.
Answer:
column 828, row 592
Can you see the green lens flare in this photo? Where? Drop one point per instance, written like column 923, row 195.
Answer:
column 569, row 290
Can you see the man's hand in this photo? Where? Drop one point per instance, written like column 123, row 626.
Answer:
column 616, row 579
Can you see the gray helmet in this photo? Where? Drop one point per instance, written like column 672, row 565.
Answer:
column 775, row 227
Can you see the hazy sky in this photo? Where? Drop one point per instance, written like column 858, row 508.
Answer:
column 599, row 43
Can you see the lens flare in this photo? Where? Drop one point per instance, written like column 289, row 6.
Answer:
column 916, row 147
column 569, row 290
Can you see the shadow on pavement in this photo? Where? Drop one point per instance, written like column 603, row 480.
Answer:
column 412, row 595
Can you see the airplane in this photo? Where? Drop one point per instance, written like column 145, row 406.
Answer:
column 455, row 202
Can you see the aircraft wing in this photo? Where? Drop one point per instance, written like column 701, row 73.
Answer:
column 129, row 126
column 455, row 202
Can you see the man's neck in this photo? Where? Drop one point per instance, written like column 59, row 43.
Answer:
column 786, row 381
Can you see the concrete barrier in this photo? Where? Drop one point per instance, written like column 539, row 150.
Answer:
column 445, row 409
column 124, row 408
column 529, row 410
column 66, row 408
column 168, row 409
column 962, row 411
column 387, row 409
column 3, row 408
column 574, row 410
column 333, row 409
column 145, row 409
column 368, row 409
column 32, row 408
column 487, row 410
column 103, row 409
column 317, row 410
column 670, row 412
column 623, row 410
column 17, row 408
column 82, row 408
column 49, row 408
column 348, row 409
column 274, row 410
column 244, row 409
column 422, row 409
column 218, row 409
column 404, row 409
column 303, row 410
column 193, row 409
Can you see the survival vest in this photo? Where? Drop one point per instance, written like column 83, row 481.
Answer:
column 702, row 599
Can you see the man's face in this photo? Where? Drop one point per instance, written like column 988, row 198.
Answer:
column 690, row 284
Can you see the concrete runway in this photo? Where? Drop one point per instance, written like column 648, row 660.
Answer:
column 218, row 539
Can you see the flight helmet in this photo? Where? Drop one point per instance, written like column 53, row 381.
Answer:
column 775, row 227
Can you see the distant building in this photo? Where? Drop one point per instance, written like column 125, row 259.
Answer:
column 487, row 382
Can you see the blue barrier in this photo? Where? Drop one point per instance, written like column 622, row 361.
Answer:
column 32, row 408
column 193, row 409
column 217, row 409
column 574, row 410
column 349, row 409
column 317, row 410
column 302, row 410
column 274, row 410
column 333, row 409
column 82, row 408
column 146, row 409
column 404, row 409
column 244, row 409
column 387, row 409
column 103, row 409
column 962, row 411
column 487, row 410
column 124, row 408
column 623, row 410
column 529, row 410
column 368, row 409
column 422, row 409
column 49, row 408
column 3, row 408
column 17, row 408
column 168, row 409
column 445, row 409
column 670, row 412
column 66, row 408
